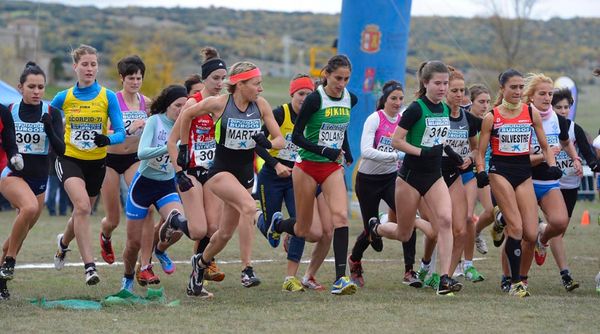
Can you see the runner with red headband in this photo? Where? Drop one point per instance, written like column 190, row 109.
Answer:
column 231, row 176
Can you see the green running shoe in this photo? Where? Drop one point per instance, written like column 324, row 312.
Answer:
column 471, row 274
column 433, row 281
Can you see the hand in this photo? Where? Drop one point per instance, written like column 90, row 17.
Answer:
column 555, row 150
column 101, row 140
column 453, row 156
column 262, row 140
column 578, row 167
column 554, row 173
column 183, row 159
column 466, row 163
column 594, row 166
column 283, row 170
column 331, row 153
column 482, row 179
column 183, row 181
column 431, row 152
column 17, row 161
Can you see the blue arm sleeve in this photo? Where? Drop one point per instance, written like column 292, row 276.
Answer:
column 116, row 119
column 145, row 151
column 58, row 101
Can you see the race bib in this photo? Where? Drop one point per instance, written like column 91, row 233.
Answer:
column 204, row 153
column 31, row 138
column 83, row 134
column 162, row 164
column 332, row 134
column 552, row 140
column 239, row 133
column 514, row 138
column 436, row 131
column 458, row 140
column 131, row 116
column 385, row 144
column 290, row 151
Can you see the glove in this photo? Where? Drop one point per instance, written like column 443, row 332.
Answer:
column 183, row 181
column 331, row 153
column 594, row 166
column 183, row 160
column 453, row 156
column 554, row 173
column 261, row 140
column 17, row 161
column 348, row 157
column 47, row 121
column 482, row 179
column 432, row 152
column 101, row 140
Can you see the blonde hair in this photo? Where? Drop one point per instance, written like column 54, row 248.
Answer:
column 532, row 80
column 82, row 50
column 239, row 67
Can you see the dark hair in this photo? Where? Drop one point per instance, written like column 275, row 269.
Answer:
column 478, row 89
column 455, row 74
column 333, row 64
column 31, row 68
column 503, row 79
column 425, row 73
column 209, row 53
column 131, row 65
column 561, row 94
column 166, row 97
column 388, row 87
column 191, row 81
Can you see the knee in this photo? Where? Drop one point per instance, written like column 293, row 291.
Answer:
column 29, row 210
column 327, row 235
column 460, row 233
column 82, row 207
column 517, row 231
column 248, row 209
column 444, row 223
column 339, row 219
column 223, row 235
column 133, row 244
column 561, row 223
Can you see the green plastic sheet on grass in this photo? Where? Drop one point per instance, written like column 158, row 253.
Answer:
column 123, row 297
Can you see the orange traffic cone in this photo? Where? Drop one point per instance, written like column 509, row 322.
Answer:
column 585, row 218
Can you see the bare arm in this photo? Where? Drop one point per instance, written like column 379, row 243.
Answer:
column 210, row 105
column 484, row 141
column 399, row 142
column 267, row 114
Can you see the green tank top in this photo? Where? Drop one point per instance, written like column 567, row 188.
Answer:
column 431, row 129
column 327, row 126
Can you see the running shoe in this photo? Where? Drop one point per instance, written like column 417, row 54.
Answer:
column 540, row 249
column 525, row 281
column 377, row 242
column 519, row 290
column 448, row 285
column 213, row 273
column 459, row 271
column 356, row 272
column 344, row 286
column 59, row 257
column 481, row 244
column 411, row 279
column 248, row 278
column 373, row 236
column 198, row 292
column 167, row 228
column 4, row 294
column 505, row 284
column 127, row 284
column 311, row 283
column 261, row 224
column 433, row 281
column 147, row 276
column 197, row 275
column 165, row 262
column 568, row 282
column 272, row 235
column 497, row 230
column 292, row 284
column 91, row 276
column 106, row 250
column 471, row 274
column 7, row 271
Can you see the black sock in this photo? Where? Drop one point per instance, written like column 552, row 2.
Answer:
column 426, row 262
column 340, row 250
column 564, row 272
column 204, row 263
column 62, row 246
column 158, row 251
column 2, row 284
column 104, row 237
column 202, row 244
column 129, row 276
column 89, row 265
column 362, row 243
column 409, row 251
column 285, row 225
column 181, row 224
column 513, row 253
column 10, row 261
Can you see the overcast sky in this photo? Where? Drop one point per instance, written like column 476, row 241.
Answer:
column 544, row 9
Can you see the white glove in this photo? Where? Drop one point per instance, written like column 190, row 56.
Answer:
column 596, row 143
column 17, row 161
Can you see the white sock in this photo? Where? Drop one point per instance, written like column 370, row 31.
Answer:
column 467, row 264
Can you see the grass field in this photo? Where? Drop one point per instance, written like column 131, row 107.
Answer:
column 383, row 305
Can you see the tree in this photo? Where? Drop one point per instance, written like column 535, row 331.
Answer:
column 507, row 19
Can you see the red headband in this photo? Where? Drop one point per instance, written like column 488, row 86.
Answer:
column 301, row 83
column 253, row 73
